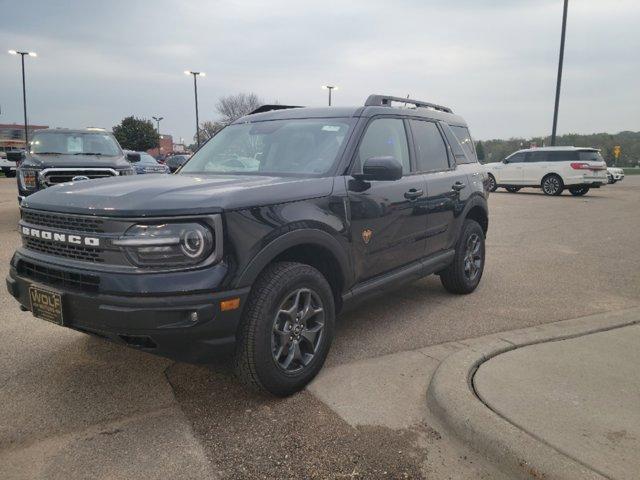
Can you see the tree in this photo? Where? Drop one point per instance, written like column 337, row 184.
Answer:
column 480, row 151
column 136, row 134
column 232, row 107
column 207, row 130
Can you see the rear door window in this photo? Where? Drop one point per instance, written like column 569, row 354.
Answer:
column 562, row 156
column 536, row 157
column 431, row 151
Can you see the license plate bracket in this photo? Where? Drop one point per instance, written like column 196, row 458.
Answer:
column 46, row 304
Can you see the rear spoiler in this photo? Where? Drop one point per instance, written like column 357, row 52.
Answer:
column 268, row 108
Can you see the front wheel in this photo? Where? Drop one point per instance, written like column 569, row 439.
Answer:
column 492, row 183
column 286, row 329
column 552, row 185
column 578, row 191
column 465, row 272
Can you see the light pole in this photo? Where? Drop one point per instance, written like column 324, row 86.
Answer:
column 195, row 91
column 24, row 93
column 157, row 119
column 560, row 61
column 330, row 88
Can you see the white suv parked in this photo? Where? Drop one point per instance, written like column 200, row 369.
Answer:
column 551, row 168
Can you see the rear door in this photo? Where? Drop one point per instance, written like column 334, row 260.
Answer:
column 388, row 218
column 445, row 182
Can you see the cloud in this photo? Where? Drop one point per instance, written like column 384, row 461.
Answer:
column 494, row 62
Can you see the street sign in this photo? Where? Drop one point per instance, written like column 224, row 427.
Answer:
column 616, row 151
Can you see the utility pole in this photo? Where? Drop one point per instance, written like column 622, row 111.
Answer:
column 24, row 94
column 330, row 88
column 195, row 91
column 559, row 81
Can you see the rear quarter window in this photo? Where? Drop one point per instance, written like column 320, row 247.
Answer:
column 464, row 137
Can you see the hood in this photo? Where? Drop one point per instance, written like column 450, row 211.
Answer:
column 156, row 195
column 35, row 160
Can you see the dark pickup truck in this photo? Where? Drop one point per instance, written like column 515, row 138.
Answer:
column 278, row 223
column 58, row 155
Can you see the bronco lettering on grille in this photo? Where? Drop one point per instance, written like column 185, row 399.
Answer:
column 61, row 237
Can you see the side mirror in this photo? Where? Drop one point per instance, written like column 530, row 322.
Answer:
column 15, row 155
column 380, row 168
column 133, row 157
column 505, row 161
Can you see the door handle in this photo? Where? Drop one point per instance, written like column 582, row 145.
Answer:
column 458, row 186
column 413, row 193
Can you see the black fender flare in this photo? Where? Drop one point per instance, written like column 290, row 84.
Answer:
column 290, row 239
column 476, row 200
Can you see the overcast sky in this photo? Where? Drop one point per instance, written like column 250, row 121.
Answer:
column 493, row 61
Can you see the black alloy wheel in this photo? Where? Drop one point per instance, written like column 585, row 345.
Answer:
column 297, row 330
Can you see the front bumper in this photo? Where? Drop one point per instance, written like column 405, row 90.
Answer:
column 185, row 326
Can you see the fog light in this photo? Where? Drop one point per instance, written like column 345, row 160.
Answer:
column 193, row 317
column 230, row 304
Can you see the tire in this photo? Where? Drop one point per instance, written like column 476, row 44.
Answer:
column 578, row 191
column 512, row 189
column 493, row 186
column 455, row 277
column 264, row 345
column 613, row 181
column 552, row 185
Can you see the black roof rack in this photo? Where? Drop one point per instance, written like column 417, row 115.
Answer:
column 385, row 101
column 268, row 108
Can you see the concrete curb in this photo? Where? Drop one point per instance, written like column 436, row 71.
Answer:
column 451, row 397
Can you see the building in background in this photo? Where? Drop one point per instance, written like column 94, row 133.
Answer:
column 12, row 135
column 166, row 147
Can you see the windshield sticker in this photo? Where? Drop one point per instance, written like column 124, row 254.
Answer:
column 74, row 144
column 331, row 128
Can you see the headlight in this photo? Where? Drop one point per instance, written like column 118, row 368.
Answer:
column 126, row 171
column 28, row 179
column 167, row 244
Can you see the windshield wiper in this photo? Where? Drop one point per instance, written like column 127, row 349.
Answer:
column 88, row 153
column 47, row 153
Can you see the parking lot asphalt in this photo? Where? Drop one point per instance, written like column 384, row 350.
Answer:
column 548, row 259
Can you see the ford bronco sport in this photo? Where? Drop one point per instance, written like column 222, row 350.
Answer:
column 278, row 223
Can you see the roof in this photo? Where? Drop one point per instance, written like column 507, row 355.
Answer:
column 556, row 149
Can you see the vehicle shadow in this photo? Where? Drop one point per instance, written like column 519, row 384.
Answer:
column 538, row 193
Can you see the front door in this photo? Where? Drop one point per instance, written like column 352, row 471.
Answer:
column 388, row 218
column 511, row 172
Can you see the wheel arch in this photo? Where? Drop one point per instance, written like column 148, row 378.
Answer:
column 477, row 209
column 313, row 247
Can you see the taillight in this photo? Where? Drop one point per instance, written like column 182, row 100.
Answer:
column 580, row 166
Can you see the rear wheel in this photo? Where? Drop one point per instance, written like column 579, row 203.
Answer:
column 578, row 191
column 465, row 272
column 512, row 189
column 552, row 185
column 286, row 329
column 492, row 183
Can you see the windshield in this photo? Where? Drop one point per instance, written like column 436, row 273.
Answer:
column 66, row 143
column 294, row 147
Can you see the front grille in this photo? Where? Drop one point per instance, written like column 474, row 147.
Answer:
column 63, row 222
column 58, row 278
column 76, row 252
column 54, row 176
